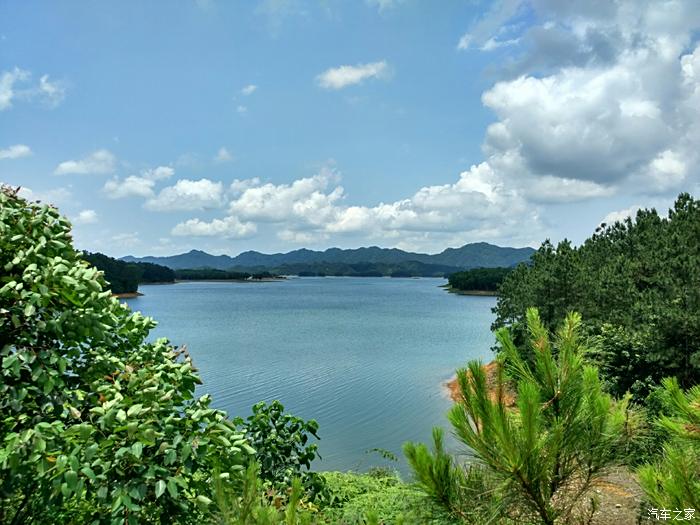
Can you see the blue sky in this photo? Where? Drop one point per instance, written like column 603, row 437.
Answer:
column 226, row 126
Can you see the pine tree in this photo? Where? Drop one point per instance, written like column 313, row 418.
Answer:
column 565, row 432
column 674, row 482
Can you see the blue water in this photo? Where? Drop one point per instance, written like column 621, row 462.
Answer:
column 365, row 357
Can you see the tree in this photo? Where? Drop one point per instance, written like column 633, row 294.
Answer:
column 97, row 424
column 674, row 481
column 565, row 432
column 638, row 280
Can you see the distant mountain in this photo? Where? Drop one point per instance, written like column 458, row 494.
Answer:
column 475, row 255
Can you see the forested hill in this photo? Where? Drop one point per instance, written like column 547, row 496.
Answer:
column 473, row 255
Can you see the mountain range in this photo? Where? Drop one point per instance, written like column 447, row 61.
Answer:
column 474, row 255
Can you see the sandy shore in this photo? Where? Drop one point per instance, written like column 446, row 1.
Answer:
column 491, row 370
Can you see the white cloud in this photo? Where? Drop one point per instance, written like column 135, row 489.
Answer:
column 241, row 109
column 137, row 186
column 8, row 79
column 312, row 209
column 188, row 195
column 249, row 89
column 621, row 215
column 55, row 197
column 490, row 24
column 52, row 93
column 492, row 43
column 85, row 217
column 343, row 76
column 98, row 162
column 228, row 228
column 131, row 186
column 16, row 84
column 158, row 173
column 223, row 155
column 15, row 152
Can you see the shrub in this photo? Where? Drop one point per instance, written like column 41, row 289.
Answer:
column 96, row 424
column 282, row 447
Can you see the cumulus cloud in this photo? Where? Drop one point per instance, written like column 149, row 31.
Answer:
column 606, row 98
column 85, row 217
column 131, row 186
column 249, row 89
column 188, row 195
column 621, row 215
column 99, row 162
column 15, row 152
column 343, row 76
column 313, row 208
column 228, row 228
column 142, row 185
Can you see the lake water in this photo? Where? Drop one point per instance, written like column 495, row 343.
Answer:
column 365, row 357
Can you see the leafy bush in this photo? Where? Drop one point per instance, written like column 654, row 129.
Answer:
column 282, row 447
column 96, row 424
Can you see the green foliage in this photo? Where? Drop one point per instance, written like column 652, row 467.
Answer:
column 96, row 425
column 564, row 433
column 249, row 504
column 125, row 277
column 674, row 481
column 282, row 446
column 467, row 491
column 637, row 285
column 481, row 279
column 361, row 498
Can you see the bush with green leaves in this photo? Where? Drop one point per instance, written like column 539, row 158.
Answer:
column 96, row 424
column 545, row 454
column 282, row 446
column 673, row 482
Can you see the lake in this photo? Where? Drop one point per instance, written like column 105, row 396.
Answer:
column 366, row 357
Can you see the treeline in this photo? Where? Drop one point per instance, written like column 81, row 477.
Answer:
column 205, row 274
column 636, row 284
column 362, row 269
column 125, row 277
column 478, row 279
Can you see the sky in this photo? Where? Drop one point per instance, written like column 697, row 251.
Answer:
column 159, row 127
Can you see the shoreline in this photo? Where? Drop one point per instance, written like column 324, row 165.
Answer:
column 491, row 369
column 127, row 295
column 457, row 291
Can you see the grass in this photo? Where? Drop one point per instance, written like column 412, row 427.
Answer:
column 391, row 499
